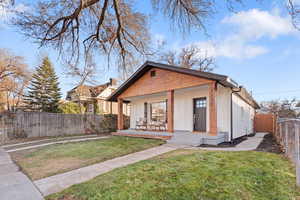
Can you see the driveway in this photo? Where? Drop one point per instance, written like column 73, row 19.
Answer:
column 14, row 185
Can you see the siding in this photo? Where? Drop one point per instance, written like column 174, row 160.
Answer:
column 164, row 80
column 243, row 116
column 183, row 107
column 223, row 109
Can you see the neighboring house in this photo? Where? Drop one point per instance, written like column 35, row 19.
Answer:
column 93, row 98
column 168, row 101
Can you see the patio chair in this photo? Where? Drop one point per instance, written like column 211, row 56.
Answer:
column 162, row 126
column 141, row 124
column 157, row 126
column 151, row 126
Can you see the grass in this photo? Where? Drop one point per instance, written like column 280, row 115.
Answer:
column 193, row 175
column 58, row 158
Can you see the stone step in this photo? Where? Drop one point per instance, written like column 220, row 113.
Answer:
column 189, row 139
column 192, row 139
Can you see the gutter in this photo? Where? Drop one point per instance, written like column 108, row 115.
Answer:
column 231, row 111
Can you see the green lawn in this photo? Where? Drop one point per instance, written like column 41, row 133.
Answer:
column 59, row 158
column 189, row 174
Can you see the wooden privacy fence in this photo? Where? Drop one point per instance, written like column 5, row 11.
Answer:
column 265, row 123
column 287, row 135
column 39, row 124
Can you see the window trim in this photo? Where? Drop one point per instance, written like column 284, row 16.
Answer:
column 166, row 109
column 152, row 73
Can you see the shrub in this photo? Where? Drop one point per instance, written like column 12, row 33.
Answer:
column 71, row 108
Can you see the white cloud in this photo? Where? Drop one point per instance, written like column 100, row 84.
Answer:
column 246, row 28
column 231, row 49
column 254, row 24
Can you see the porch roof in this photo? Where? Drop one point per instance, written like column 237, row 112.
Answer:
column 222, row 79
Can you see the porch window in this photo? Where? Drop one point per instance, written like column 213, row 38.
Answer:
column 158, row 111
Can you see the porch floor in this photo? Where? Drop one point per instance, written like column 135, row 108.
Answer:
column 145, row 134
column 177, row 137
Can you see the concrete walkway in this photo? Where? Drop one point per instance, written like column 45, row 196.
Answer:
column 58, row 142
column 248, row 145
column 14, row 185
column 59, row 182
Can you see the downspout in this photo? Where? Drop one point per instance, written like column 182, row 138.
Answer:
column 231, row 112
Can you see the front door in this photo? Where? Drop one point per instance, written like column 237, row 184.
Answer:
column 200, row 114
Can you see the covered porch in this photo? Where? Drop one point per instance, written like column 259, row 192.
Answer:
column 188, row 109
column 177, row 137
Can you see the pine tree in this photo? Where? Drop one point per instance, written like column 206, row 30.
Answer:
column 44, row 92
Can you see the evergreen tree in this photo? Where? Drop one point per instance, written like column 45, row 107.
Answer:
column 44, row 92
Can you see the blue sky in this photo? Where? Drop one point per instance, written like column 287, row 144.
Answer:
column 256, row 46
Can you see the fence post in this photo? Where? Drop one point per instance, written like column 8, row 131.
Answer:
column 280, row 133
column 297, row 153
column 286, row 138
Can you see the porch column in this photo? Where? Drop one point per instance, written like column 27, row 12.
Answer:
column 170, row 110
column 120, row 114
column 213, row 109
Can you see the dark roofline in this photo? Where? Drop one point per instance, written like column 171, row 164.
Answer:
column 222, row 79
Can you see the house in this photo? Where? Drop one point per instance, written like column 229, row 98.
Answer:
column 93, row 98
column 184, row 104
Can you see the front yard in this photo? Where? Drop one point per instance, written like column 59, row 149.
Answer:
column 54, row 159
column 193, row 174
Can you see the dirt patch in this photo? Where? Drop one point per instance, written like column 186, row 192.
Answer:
column 50, row 138
column 57, row 139
column 269, row 144
column 227, row 144
column 21, row 140
column 37, row 169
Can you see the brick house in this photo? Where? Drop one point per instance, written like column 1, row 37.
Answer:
column 174, row 102
column 93, row 98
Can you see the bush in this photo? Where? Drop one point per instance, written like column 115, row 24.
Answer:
column 71, row 108
column 109, row 122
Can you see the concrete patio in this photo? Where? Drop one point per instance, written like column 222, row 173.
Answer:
column 178, row 137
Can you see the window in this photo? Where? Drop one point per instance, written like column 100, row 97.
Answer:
column 145, row 110
column 158, row 111
column 201, row 103
column 152, row 73
column 90, row 108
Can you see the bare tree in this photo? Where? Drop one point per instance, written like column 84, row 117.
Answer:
column 190, row 57
column 13, row 90
column 83, row 74
column 14, row 77
column 284, row 109
column 114, row 28
column 294, row 10
column 111, row 27
column 11, row 64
